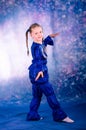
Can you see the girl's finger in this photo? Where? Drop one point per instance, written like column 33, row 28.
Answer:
column 37, row 77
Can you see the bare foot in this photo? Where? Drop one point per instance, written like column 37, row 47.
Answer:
column 68, row 120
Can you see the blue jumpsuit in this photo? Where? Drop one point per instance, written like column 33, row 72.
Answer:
column 42, row 85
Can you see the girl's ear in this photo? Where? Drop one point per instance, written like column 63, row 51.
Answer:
column 31, row 35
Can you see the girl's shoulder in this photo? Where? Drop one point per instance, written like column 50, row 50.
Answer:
column 35, row 46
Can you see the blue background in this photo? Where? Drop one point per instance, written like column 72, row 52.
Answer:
column 66, row 60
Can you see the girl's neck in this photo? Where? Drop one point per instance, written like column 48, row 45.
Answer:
column 39, row 42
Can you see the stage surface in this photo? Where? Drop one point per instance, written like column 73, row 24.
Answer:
column 13, row 117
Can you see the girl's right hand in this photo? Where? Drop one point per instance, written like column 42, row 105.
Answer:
column 40, row 74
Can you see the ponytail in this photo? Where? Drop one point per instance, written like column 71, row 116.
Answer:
column 27, row 41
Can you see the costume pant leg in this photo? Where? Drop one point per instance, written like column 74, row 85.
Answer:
column 58, row 113
column 34, row 105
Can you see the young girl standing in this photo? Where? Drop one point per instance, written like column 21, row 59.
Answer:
column 38, row 74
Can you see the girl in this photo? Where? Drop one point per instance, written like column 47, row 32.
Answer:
column 38, row 73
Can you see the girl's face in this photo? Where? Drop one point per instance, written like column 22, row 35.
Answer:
column 37, row 34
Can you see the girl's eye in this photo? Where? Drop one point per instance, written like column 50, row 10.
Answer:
column 40, row 32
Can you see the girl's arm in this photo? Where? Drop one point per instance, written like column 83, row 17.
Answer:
column 54, row 35
column 48, row 40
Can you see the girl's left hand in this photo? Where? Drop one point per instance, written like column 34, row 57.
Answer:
column 40, row 74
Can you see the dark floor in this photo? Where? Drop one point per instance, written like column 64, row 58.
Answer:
column 13, row 117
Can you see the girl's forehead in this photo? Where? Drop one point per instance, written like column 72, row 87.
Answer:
column 37, row 29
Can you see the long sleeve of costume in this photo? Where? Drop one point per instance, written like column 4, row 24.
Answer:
column 48, row 41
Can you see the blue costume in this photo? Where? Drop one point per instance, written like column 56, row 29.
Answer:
column 42, row 85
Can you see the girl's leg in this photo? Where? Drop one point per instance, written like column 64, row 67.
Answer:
column 35, row 103
column 58, row 113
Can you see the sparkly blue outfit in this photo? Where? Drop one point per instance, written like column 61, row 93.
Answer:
column 42, row 85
